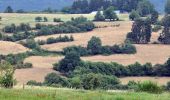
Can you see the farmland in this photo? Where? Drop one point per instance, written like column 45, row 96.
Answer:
column 107, row 31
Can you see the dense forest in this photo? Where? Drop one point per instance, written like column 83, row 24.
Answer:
column 31, row 5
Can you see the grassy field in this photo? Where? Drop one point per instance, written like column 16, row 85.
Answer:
column 30, row 18
column 68, row 94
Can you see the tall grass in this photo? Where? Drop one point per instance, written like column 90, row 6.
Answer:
column 67, row 94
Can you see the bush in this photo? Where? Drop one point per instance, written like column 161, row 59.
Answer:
column 168, row 86
column 21, row 65
column 38, row 19
column 99, row 16
column 150, row 87
column 54, row 79
column 57, row 20
column 78, row 49
column 134, row 15
column 13, row 28
column 156, row 28
column 10, row 28
column 94, row 81
column 71, row 60
column 30, row 43
column 94, row 45
column 51, row 40
column 140, row 70
column 34, row 83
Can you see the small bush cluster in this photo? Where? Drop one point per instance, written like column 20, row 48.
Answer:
column 39, row 19
column 34, row 83
column 13, row 28
column 57, row 20
column 56, row 40
column 150, row 87
column 95, row 47
column 88, row 81
column 80, row 24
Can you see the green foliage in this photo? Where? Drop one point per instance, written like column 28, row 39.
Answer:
column 34, row 83
column 154, row 17
column 99, row 16
column 134, row 15
column 30, row 43
column 150, row 87
column 71, row 60
column 145, row 8
column 110, row 14
column 141, row 31
column 21, row 65
column 168, row 86
column 45, row 19
column 54, row 79
column 156, row 28
column 87, row 6
column 13, row 28
column 38, row 19
column 140, row 70
column 94, row 45
column 165, row 34
column 6, row 75
column 57, row 20
column 82, row 51
column 163, row 70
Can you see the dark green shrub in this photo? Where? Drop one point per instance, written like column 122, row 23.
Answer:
column 38, row 19
column 94, row 81
column 168, row 86
column 76, row 82
column 78, row 49
column 94, row 45
column 134, row 15
column 71, row 60
column 140, row 70
column 150, row 87
column 34, row 83
column 54, row 79
column 51, row 40
column 57, row 20
column 41, row 42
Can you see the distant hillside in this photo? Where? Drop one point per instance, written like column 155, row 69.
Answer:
column 37, row 5
column 34, row 5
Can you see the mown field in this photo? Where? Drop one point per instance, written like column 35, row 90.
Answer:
column 69, row 94
column 42, row 65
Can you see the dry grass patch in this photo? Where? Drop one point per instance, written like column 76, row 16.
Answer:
column 41, row 67
column 156, row 54
column 24, row 75
column 11, row 48
column 43, row 62
column 159, row 80
column 108, row 35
